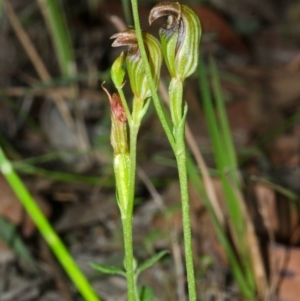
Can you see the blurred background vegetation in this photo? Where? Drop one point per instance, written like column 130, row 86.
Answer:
column 54, row 128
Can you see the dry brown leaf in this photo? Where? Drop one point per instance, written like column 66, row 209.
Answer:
column 285, row 270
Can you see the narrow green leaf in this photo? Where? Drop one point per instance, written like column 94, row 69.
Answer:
column 56, row 20
column 220, row 231
column 108, row 269
column 229, row 182
column 151, row 261
column 224, row 127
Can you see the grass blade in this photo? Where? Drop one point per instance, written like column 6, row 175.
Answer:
column 56, row 21
column 46, row 230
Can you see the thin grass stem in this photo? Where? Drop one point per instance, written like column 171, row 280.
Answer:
column 129, row 259
column 127, row 11
column 230, row 187
column 46, row 230
column 56, row 21
column 181, row 163
column 223, row 123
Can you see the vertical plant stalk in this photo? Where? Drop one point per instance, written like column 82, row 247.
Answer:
column 140, row 89
column 127, row 223
column 149, row 76
column 129, row 258
column 123, row 183
column 175, row 93
column 126, row 218
column 181, row 163
column 180, row 39
column 175, row 98
column 123, row 171
column 46, row 230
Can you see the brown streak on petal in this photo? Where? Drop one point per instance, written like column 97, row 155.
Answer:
column 117, row 108
column 165, row 9
column 124, row 38
column 116, row 105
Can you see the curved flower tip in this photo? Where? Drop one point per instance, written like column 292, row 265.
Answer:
column 135, row 67
column 118, row 134
column 180, row 37
column 125, row 38
column 117, row 109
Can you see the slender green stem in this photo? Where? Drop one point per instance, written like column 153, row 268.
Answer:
column 155, row 98
column 178, row 147
column 175, row 96
column 181, row 163
column 129, row 260
column 46, row 230
column 221, row 233
column 127, row 12
column 127, row 219
column 134, row 125
column 55, row 18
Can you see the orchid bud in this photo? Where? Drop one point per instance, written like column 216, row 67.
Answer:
column 119, row 142
column 117, row 71
column 135, row 67
column 180, row 37
column 118, row 136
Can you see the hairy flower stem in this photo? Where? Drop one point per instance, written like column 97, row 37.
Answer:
column 156, row 101
column 178, row 120
column 134, row 126
column 123, row 165
column 175, row 95
column 129, row 261
column 181, row 163
column 177, row 143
